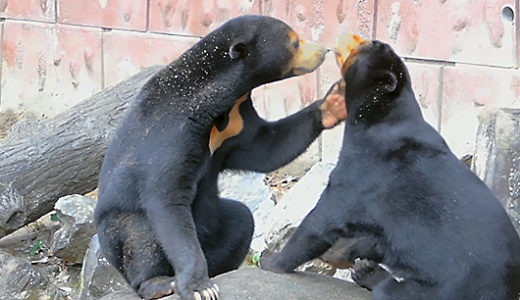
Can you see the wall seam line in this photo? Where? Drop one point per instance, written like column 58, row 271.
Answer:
column 55, row 11
column 102, row 46
column 374, row 19
column 440, row 98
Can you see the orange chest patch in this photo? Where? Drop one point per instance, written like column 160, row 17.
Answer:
column 233, row 127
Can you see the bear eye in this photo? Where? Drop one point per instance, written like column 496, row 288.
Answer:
column 296, row 44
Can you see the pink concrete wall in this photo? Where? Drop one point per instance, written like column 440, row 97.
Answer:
column 462, row 54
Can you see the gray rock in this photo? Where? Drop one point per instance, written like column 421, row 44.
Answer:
column 256, row 284
column 28, row 245
column 75, row 213
column 287, row 215
column 98, row 277
column 344, row 274
column 497, row 158
column 296, row 204
column 24, row 238
column 20, row 280
column 127, row 294
column 250, row 189
column 262, row 218
column 247, row 187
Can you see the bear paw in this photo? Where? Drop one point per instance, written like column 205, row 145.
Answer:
column 156, row 287
column 368, row 273
column 271, row 263
column 204, row 290
column 333, row 108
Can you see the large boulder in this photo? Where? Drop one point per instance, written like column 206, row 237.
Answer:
column 256, row 284
column 250, row 189
column 295, row 205
column 281, row 221
column 247, row 187
column 98, row 277
column 75, row 213
column 497, row 158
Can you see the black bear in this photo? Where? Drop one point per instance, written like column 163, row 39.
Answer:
column 430, row 228
column 159, row 218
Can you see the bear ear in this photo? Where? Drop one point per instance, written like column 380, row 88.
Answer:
column 237, row 51
column 387, row 82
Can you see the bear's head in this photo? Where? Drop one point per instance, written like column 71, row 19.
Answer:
column 258, row 50
column 375, row 76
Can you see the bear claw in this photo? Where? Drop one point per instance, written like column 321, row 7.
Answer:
column 211, row 293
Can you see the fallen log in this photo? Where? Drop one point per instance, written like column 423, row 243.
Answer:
column 41, row 161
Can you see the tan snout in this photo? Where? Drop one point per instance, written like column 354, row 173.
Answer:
column 346, row 48
column 307, row 58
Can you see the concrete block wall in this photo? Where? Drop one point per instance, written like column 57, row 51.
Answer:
column 462, row 54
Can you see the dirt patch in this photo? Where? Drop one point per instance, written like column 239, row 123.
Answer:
column 282, row 180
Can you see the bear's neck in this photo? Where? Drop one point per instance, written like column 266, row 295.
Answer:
column 372, row 108
column 199, row 85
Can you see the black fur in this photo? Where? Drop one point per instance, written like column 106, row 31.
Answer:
column 438, row 226
column 159, row 213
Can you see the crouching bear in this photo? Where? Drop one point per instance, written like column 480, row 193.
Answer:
column 159, row 218
column 430, row 228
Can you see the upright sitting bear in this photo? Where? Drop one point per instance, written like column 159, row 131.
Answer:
column 435, row 230
column 159, row 213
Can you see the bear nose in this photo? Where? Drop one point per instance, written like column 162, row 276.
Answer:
column 309, row 56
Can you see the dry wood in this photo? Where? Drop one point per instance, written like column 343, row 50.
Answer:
column 41, row 161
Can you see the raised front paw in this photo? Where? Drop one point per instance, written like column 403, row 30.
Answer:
column 271, row 263
column 201, row 290
column 368, row 273
column 333, row 108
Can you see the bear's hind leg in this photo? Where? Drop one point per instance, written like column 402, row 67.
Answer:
column 231, row 240
column 137, row 254
column 110, row 241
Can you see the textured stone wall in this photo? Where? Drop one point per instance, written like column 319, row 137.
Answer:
column 462, row 54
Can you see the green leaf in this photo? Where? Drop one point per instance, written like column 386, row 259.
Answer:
column 54, row 217
column 256, row 258
column 36, row 248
